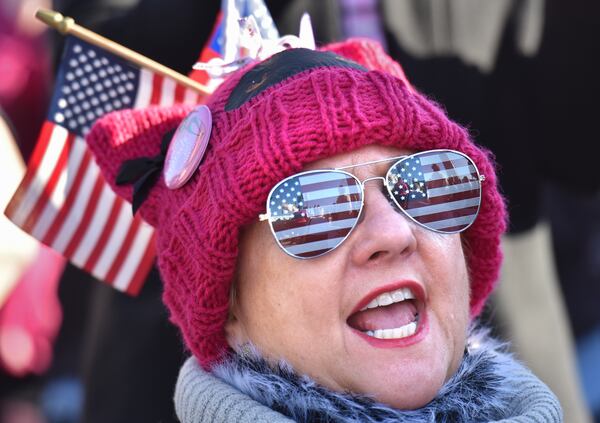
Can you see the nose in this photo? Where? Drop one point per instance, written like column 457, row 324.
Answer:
column 384, row 233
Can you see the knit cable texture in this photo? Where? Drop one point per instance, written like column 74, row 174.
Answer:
column 311, row 115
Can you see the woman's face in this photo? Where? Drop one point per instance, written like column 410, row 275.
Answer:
column 307, row 312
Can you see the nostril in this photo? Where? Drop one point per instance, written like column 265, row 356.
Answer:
column 376, row 255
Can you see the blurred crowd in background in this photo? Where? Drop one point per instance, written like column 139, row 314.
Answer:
column 522, row 75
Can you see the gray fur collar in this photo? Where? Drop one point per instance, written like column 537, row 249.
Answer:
column 485, row 388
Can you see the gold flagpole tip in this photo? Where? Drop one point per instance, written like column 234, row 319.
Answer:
column 54, row 19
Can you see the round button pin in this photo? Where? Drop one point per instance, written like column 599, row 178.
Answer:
column 187, row 147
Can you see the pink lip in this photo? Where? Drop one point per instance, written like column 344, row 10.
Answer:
column 422, row 328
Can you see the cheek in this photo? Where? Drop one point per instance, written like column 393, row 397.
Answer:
column 273, row 288
column 452, row 291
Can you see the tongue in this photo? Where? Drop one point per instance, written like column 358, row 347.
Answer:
column 388, row 317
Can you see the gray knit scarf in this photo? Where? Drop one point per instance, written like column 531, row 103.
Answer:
column 490, row 385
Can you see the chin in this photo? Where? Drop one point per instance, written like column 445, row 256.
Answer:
column 409, row 384
column 412, row 398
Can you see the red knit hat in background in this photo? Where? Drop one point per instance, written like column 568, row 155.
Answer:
column 316, row 113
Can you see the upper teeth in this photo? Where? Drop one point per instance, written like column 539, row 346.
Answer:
column 390, row 297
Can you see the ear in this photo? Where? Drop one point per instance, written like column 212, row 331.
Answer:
column 234, row 328
column 131, row 134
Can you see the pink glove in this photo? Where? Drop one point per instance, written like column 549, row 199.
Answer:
column 31, row 316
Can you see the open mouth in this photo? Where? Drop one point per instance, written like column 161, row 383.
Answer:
column 393, row 314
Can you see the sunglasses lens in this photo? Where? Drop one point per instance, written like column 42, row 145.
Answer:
column 312, row 213
column 440, row 190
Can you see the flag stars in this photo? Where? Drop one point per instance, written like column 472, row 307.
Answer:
column 92, row 85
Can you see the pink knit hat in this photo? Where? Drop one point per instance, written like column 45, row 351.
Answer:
column 313, row 114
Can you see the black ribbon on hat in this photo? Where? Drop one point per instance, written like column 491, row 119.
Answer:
column 143, row 172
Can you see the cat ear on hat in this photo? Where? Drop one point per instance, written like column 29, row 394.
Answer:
column 371, row 55
column 131, row 148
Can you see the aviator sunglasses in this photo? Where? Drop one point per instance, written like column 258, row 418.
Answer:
column 311, row 213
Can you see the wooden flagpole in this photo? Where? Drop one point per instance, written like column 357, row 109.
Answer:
column 67, row 26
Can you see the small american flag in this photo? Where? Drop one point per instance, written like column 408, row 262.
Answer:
column 63, row 200
column 438, row 189
column 223, row 42
column 312, row 213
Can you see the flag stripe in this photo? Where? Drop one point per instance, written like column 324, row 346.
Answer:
column 122, row 251
column 329, row 213
column 313, row 253
column 48, row 188
column 452, row 189
column 311, row 238
column 144, row 92
column 180, row 92
column 191, row 97
column 93, row 230
column 451, row 223
column 139, row 274
column 167, row 92
column 117, row 236
column 131, row 263
column 39, row 152
column 99, row 246
column 442, row 199
column 466, row 211
column 316, row 228
column 59, row 220
column 314, row 246
column 86, row 218
column 76, row 213
column 447, row 206
column 322, row 202
column 331, row 192
column 156, row 92
column 58, row 136
column 69, row 175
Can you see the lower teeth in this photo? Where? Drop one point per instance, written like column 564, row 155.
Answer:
column 394, row 333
